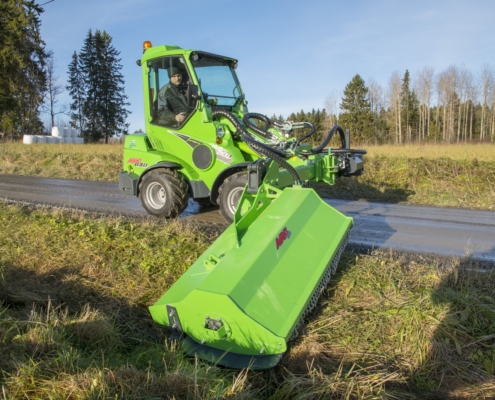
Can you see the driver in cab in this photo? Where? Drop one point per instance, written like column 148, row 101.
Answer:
column 172, row 101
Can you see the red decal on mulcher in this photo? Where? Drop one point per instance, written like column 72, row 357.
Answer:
column 134, row 160
column 285, row 234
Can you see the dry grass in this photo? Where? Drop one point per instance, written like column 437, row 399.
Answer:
column 74, row 324
column 441, row 182
column 466, row 152
column 94, row 162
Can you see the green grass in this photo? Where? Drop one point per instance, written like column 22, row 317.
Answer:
column 74, row 323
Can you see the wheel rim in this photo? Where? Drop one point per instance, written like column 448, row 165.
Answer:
column 155, row 193
column 233, row 199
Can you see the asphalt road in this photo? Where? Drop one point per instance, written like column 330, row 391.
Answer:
column 417, row 229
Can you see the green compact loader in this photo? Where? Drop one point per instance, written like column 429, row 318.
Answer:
column 203, row 156
column 247, row 296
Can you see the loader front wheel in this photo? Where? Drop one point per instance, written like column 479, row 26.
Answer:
column 230, row 193
column 164, row 193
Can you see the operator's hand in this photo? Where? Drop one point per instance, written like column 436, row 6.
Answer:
column 180, row 117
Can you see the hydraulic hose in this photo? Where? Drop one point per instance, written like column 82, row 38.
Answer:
column 307, row 135
column 240, row 128
column 263, row 132
column 258, row 147
column 331, row 132
column 267, row 151
column 349, row 151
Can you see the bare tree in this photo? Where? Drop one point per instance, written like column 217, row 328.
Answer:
column 493, row 112
column 486, row 90
column 332, row 107
column 377, row 103
column 54, row 89
column 424, row 85
column 461, row 92
column 449, row 99
column 473, row 97
column 394, row 101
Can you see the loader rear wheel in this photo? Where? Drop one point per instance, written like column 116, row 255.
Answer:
column 164, row 193
column 230, row 193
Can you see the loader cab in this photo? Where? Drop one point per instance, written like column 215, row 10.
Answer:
column 215, row 76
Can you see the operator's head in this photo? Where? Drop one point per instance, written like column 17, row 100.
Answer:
column 174, row 75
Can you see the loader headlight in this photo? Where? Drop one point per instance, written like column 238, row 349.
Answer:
column 220, row 131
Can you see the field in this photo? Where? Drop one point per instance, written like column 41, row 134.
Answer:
column 74, row 291
column 73, row 320
column 439, row 175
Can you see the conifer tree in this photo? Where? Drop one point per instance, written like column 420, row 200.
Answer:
column 409, row 108
column 77, row 91
column 356, row 108
column 22, row 61
column 102, row 100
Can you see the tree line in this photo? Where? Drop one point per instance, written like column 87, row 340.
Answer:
column 452, row 106
column 29, row 86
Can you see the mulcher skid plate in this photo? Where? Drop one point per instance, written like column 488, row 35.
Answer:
column 247, row 296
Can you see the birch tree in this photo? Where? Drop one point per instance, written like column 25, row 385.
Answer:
column 486, row 93
column 424, row 86
column 377, row 104
column 53, row 90
column 332, row 108
column 394, row 100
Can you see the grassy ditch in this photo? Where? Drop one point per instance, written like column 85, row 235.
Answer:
column 440, row 175
column 74, row 323
column 92, row 162
column 443, row 182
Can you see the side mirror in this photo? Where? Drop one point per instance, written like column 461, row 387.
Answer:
column 192, row 95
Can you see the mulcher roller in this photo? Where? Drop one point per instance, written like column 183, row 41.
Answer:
column 247, row 296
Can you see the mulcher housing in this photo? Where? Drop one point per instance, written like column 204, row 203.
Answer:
column 242, row 300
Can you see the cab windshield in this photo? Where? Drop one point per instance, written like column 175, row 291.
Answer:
column 217, row 80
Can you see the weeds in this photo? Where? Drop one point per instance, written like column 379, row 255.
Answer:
column 74, row 323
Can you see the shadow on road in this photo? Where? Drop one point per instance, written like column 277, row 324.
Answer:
column 352, row 189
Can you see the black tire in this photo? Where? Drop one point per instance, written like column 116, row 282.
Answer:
column 163, row 193
column 230, row 193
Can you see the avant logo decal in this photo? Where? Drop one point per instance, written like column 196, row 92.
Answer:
column 285, row 234
column 137, row 162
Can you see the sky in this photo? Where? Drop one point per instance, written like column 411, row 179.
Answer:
column 292, row 54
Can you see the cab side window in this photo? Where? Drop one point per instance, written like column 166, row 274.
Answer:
column 168, row 82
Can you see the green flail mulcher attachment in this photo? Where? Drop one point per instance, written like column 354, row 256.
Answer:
column 247, row 296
